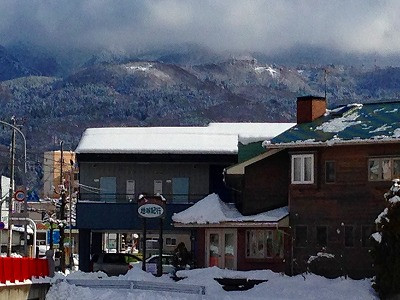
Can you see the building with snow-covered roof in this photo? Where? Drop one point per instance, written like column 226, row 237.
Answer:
column 331, row 170
column 230, row 240
column 184, row 164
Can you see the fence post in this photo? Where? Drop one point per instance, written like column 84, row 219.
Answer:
column 25, row 268
column 9, row 269
column 17, row 268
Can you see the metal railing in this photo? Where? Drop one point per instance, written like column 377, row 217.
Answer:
column 132, row 198
column 137, row 285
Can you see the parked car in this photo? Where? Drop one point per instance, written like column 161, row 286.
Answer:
column 113, row 264
column 167, row 264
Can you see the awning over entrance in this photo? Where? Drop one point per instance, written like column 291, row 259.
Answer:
column 213, row 212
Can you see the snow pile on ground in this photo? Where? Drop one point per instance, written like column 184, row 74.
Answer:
column 278, row 286
column 320, row 254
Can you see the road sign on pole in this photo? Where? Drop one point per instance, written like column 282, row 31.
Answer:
column 19, row 195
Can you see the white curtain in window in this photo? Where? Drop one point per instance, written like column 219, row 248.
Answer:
column 386, row 170
column 297, row 168
column 308, row 168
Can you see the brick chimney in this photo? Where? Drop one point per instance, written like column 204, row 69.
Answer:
column 310, row 108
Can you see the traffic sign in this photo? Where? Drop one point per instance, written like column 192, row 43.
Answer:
column 2, row 225
column 19, row 195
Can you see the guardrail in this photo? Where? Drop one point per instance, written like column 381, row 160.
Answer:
column 14, row 269
column 139, row 285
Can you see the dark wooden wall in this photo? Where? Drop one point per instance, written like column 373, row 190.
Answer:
column 352, row 200
column 266, row 184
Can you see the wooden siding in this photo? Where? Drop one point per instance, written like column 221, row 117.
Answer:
column 352, row 200
column 266, row 184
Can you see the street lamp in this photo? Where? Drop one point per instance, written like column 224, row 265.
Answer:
column 15, row 128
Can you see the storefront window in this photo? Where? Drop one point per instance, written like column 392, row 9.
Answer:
column 264, row 243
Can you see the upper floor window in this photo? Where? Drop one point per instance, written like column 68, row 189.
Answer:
column 383, row 169
column 170, row 242
column 302, row 168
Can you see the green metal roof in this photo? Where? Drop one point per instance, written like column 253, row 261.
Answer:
column 249, row 150
column 353, row 123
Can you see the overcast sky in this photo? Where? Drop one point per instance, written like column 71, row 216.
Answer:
column 366, row 26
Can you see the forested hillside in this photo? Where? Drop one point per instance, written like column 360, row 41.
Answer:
column 56, row 102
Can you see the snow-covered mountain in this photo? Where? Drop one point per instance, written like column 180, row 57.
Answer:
column 55, row 96
column 185, row 85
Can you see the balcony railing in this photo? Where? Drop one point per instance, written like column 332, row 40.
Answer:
column 132, row 198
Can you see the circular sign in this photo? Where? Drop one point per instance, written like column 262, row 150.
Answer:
column 151, row 210
column 19, row 195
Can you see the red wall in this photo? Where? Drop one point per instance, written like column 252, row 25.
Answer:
column 243, row 263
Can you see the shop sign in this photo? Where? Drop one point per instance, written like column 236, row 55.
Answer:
column 151, row 207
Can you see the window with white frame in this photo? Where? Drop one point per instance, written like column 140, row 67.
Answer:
column 302, row 168
column 263, row 243
column 383, row 169
column 170, row 242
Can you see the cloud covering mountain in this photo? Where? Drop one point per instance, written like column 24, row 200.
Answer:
column 358, row 26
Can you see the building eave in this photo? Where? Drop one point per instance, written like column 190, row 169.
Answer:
column 283, row 222
column 238, row 169
column 331, row 143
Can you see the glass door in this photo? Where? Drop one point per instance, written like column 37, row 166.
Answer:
column 221, row 247
column 214, row 256
column 230, row 250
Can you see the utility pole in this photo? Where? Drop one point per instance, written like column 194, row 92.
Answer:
column 11, row 190
column 62, row 211
column 51, row 231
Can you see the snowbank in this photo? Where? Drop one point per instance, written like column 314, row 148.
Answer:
column 278, row 286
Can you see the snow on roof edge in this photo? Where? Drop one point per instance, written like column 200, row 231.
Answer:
column 216, row 138
column 268, row 145
column 212, row 210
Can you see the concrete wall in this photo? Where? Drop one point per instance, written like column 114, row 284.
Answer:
column 24, row 291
